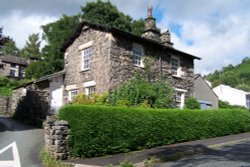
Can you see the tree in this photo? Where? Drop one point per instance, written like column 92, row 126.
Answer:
column 32, row 47
column 192, row 103
column 10, row 48
column 36, row 70
column 3, row 39
column 138, row 27
column 105, row 13
column 55, row 34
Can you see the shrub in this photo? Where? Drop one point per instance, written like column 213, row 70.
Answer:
column 226, row 105
column 102, row 130
column 142, row 93
column 192, row 103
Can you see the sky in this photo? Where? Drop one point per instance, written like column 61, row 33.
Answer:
column 218, row 31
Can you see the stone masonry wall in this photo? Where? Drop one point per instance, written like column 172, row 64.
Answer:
column 122, row 67
column 30, row 104
column 111, row 62
column 56, row 138
column 4, row 104
column 99, row 61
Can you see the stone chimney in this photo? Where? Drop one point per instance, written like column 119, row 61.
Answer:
column 166, row 39
column 151, row 31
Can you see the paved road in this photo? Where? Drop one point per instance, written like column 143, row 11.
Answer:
column 20, row 144
column 231, row 155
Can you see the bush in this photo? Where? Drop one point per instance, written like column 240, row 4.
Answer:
column 102, row 130
column 192, row 103
column 226, row 105
column 142, row 93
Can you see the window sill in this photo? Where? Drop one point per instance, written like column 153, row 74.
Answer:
column 176, row 76
column 85, row 70
column 140, row 66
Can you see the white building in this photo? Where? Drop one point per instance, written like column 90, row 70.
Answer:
column 233, row 96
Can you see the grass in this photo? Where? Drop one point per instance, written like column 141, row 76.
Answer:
column 49, row 161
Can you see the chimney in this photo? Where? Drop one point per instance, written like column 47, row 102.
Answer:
column 166, row 39
column 151, row 31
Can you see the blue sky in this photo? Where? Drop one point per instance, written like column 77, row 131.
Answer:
column 218, row 31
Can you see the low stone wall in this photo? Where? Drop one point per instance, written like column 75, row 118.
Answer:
column 56, row 138
column 4, row 104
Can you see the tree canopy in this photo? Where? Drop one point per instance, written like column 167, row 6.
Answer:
column 32, row 47
column 235, row 76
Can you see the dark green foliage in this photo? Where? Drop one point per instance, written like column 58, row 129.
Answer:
column 10, row 48
column 99, row 130
column 105, row 13
column 55, row 34
column 142, row 93
column 235, row 76
column 226, row 105
column 138, row 27
column 32, row 47
column 36, row 70
column 192, row 103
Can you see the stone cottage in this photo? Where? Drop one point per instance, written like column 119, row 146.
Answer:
column 98, row 58
column 13, row 66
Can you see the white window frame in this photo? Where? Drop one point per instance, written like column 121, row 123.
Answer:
column 72, row 94
column 175, row 66
column 138, row 53
column 181, row 98
column 90, row 88
column 14, row 67
column 86, row 55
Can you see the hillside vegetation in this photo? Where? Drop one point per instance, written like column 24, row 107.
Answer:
column 235, row 76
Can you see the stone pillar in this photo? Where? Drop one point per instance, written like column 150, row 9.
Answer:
column 166, row 38
column 56, row 138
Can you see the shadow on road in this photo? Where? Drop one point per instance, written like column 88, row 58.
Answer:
column 8, row 124
column 233, row 153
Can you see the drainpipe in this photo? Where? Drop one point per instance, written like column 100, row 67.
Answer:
column 160, row 60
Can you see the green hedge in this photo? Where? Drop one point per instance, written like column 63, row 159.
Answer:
column 99, row 130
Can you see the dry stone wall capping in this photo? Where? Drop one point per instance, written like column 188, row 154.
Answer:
column 56, row 138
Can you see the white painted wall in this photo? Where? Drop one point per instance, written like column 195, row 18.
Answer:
column 231, row 95
column 56, row 93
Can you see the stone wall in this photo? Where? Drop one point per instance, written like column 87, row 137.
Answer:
column 30, row 104
column 4, row 104
column 111, row 62
column 56, row 138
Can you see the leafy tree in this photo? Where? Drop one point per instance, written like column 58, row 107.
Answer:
column 10, row 48
column 243, row 87
column 138, row 27
column 55, row 34
column 105, row 13
column 32, row 47
column 36, row 70
column 192, row 103
column 3, row 39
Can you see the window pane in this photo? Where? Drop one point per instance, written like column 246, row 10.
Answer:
column 86, row 54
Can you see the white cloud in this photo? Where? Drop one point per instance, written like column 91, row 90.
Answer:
column 19, row 27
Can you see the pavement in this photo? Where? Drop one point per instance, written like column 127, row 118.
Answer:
column 164, row 153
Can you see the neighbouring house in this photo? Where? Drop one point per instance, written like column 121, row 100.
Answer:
column 13, row 66
column 98, row 58
column 204, row 93
column 233, row 96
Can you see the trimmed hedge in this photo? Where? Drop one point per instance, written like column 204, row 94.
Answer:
column 100, row 130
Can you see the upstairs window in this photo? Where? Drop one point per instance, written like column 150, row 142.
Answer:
column 175, row 66
column 12, row 72
column 86, row 54
column 138, row 52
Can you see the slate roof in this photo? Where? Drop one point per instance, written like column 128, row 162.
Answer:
column 14, row 60
column 124, row 34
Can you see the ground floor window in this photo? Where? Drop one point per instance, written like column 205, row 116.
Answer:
column 179, row 98
column 90, row 91
column 72, row 94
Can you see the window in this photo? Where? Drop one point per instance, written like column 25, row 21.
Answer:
column 179, row 97
column 248, row 101
column 12, row 73
column 175, row 66
column 137, row 55
column 89, row 91
column 86, row 54
column 72, row 94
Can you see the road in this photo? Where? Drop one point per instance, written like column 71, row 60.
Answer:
column 20, row 144
column 231, row 155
